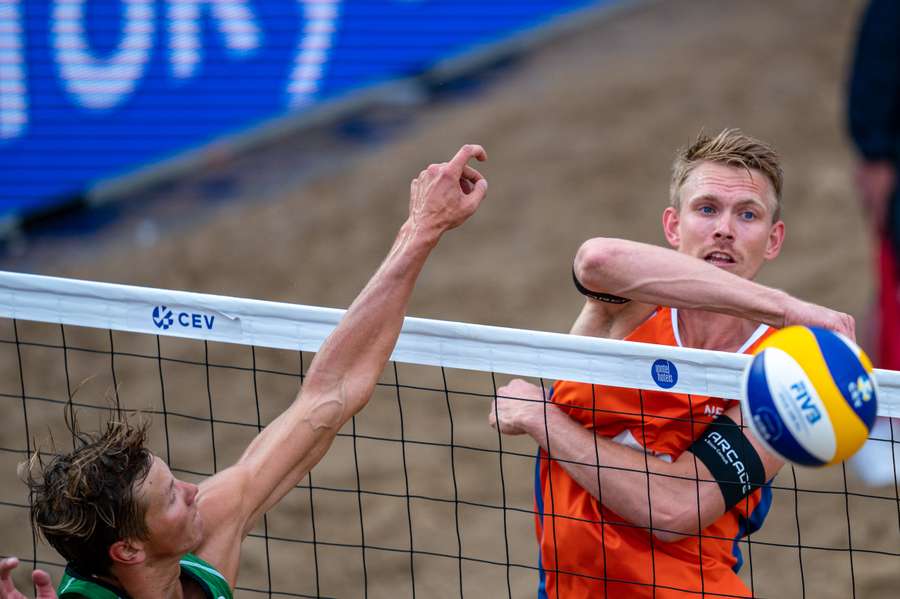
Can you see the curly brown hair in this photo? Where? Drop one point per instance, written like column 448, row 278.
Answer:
column 85, row 500
column 733, row 148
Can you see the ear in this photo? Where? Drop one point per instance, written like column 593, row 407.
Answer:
column 776, row 239
column 671, row 220
column 127, row 552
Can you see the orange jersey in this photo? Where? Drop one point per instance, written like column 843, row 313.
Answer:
column 586, row 550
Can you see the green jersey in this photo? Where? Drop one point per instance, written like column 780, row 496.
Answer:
column 213, row 584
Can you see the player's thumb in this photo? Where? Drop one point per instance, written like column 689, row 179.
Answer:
column 480, row 189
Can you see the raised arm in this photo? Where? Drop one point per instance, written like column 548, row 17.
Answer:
column 684, row 496
column 344, row 372
column 653, row 275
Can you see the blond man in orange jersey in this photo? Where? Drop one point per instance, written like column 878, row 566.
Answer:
column 607, row 528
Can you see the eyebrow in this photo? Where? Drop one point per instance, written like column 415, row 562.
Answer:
column 713, row 198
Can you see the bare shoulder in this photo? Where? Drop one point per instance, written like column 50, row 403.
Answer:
column 223, row 490
column 221, row 505
column 611, row 321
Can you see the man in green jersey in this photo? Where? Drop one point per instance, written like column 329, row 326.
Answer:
column 128, row 528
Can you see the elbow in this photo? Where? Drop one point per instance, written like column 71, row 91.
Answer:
column 674, row 521
column 668, row 536
column 595, row 262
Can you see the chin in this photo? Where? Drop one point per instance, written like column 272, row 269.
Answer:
column 735, row 269
column 729, row 266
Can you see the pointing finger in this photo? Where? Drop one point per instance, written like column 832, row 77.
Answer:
column 464, row 154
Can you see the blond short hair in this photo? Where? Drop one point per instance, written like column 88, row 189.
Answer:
column 731, row 147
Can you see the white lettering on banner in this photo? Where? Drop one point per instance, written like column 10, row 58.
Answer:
column 13, row 92
column 234, row 18
column 102, row 83
column 320, row 22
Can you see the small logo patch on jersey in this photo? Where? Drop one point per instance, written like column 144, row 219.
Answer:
column 664, row 373
column 709, row 410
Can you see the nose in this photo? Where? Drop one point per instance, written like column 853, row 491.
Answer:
column 191, row 492
column 724, row 228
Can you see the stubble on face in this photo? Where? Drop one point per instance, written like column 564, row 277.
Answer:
column 725, row 218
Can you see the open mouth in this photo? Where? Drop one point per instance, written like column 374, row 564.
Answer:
column 719, row 258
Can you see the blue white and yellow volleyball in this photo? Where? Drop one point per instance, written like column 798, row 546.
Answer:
column 810, row 396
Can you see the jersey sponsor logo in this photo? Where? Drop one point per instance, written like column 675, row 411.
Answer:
column 729, row 456
column 664, row 373
column 711, row 410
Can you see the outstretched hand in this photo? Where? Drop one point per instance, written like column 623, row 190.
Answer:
column 40, row 578
column 444, row 195
column 807, row 314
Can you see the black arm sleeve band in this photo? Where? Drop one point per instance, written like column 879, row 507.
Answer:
column 603, row 297
column 731, row 459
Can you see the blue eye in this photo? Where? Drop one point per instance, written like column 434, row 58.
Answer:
column 747, row 215
column 707, row 210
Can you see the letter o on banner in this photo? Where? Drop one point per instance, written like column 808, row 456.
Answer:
column 102, row 83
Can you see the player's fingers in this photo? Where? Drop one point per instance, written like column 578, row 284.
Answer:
column 851, row 328
column 471, row 174
column 43, row 585
column 464, row 154
column 6, row 566
column 479, row 191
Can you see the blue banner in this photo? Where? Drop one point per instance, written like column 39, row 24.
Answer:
column 91, row 89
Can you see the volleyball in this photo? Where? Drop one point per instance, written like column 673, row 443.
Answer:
column 810, row 396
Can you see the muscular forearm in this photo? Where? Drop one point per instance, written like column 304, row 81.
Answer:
column 617, row 476
column 349, row 363
column 655, row 275
column 345, row 371
column 341, row 377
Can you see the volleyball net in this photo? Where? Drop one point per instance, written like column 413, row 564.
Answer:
column 418, row 496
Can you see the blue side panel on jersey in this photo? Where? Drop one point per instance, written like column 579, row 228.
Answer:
column 539, row 502
column 845, row 368
column 755, row 522
column 760, row 401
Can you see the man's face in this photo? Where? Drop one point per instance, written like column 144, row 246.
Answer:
column 726, row 219
column 172, row 516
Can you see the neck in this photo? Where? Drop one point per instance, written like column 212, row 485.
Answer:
column 152, row 579
column 711, row 330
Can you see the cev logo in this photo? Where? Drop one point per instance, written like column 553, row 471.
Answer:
column 164, row 318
